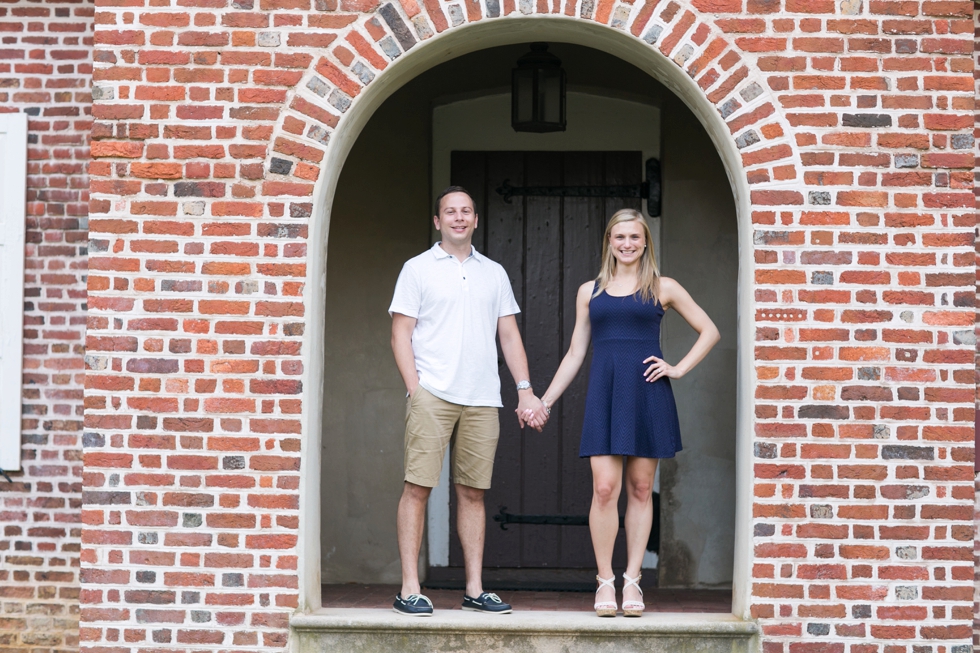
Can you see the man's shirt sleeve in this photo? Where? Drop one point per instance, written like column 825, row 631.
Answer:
column 508, row 304
column 407, row 299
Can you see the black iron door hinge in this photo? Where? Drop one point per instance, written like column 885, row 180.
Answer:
column 650, row 190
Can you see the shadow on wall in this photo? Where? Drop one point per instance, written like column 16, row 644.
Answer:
column 700, row 235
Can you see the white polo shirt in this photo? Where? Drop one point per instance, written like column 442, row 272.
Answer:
column 456, row 305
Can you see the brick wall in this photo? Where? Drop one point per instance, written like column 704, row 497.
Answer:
column 211, row 122
column 976, row 192
column 45, row 71
column 871, row 505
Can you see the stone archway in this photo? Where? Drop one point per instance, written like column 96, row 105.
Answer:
column 336, row 97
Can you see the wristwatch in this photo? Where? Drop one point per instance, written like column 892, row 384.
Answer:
column 524, row 385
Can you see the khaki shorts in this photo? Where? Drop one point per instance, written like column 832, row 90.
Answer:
column 431, row 424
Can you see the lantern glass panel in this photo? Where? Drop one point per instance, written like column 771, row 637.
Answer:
column 549, row 96
column 524, row 95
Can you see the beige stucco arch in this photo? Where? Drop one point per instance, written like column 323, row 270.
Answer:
column 452, row 43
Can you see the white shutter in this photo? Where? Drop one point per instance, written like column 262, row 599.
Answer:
column 13, row 207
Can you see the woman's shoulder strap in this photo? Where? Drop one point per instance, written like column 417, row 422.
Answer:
column 596, row 288
column 589, row 289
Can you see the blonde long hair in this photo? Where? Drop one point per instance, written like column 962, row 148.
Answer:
column 648, row 275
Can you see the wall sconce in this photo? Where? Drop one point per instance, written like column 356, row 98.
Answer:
column 537, row 96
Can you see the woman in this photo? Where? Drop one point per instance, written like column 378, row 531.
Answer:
column 630, row 408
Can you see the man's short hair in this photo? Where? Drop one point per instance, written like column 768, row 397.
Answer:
column 453, row 189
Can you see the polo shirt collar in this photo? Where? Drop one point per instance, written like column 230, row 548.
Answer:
column 440, row 253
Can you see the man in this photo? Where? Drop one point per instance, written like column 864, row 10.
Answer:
column 449, row 304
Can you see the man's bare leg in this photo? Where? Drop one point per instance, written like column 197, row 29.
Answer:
column 471, row 524
column 410, row 524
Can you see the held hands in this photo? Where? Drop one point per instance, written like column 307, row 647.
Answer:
column 531, row 412
column 660, row 368
column 537, row 418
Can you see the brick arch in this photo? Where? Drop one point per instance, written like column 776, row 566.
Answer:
column 361, row 54
column 375, row 54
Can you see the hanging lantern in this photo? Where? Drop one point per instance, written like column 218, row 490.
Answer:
column 537, row 96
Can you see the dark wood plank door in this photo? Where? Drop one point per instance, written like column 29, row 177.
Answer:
column 549, row 247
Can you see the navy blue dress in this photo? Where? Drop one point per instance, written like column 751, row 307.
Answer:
column 624, row 414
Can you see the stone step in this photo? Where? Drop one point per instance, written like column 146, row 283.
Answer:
column 455, row 631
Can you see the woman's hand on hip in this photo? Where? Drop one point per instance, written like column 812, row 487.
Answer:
column 659, row 368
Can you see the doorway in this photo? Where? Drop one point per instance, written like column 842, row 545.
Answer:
column 549, row 246
column 383, row 198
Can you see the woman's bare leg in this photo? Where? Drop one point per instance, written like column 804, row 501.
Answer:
column 607, row 481
column 639, row 516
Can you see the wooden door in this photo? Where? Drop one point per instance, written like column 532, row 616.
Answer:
column 549, row 247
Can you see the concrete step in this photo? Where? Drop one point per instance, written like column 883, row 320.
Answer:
column 455, row 631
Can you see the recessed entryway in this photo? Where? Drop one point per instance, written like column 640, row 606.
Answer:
column 451, row 124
